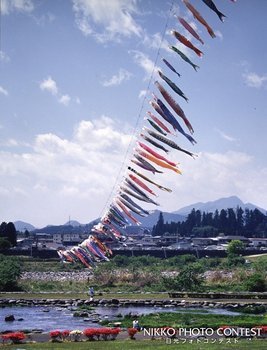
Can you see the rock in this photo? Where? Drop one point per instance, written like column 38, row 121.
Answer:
column 9, row 318
column 95, row 320
column 20, row 319
column 37, row 330
column 116, row 324
column 115, row 301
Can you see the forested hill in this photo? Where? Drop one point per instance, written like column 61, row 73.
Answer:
column 248, row 223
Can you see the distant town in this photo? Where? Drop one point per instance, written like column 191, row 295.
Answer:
column 196, row 232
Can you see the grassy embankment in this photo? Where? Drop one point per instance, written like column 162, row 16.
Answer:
column 145, row 273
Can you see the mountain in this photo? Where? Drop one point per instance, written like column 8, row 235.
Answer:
column 219, row 204
column 149, row 221
column 152, row 219
column 73, row 223
column 22, row 226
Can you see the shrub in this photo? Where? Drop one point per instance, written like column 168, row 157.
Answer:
column 255, row 283
column 188, row 280
column 15, row 337
column 132, row 332
column 56, row 336
column 104, row 333
column 10, row 270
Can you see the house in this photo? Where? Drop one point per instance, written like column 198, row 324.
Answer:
column 182, row 244
column 228, row 239
column 167, row 239
column 202, row 241
column 258, row 242
column 67, row 238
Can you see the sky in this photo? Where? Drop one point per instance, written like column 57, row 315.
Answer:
column 75, row 84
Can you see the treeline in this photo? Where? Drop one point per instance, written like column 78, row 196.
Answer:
column 248, row 223
column 8, row 235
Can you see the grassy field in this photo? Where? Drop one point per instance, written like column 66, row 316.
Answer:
column 189, row 319
column 149, row 274
column 147, row 345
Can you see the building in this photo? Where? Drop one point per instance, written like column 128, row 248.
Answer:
column 258, row 242
column 67, row 238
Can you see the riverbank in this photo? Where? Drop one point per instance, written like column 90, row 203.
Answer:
column 222, row 300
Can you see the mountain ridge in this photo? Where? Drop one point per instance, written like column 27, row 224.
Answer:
column 178, row 215
column 219, row 204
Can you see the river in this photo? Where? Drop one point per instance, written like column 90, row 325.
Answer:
column 50, row 318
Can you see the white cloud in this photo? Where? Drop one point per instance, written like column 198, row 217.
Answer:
column 49, row 85
column 254, row 80
column 215, row 175
column 3, row 91
column 115, row 16
column 218, row 34
column 64, row 176
column 145, row 62
column 142, row 93
column 226, row 137
column 117, row 79
column 4, row 57
column 64, row 99
column 75, row 176
column 11, row 143
column 8, row 6
column 44, row 19
column 155, row 41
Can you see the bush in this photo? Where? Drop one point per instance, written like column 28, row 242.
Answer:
column 234, row 260
column 15, row 337
column 188, row 280
column 255, row 283
column 182, row 260
column 4, row 243
column 10, row 270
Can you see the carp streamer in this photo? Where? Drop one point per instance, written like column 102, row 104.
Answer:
column 151, row 146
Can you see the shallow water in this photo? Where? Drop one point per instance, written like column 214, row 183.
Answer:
column 50, row 318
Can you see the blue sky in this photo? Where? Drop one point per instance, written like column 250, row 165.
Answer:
column 74, row 91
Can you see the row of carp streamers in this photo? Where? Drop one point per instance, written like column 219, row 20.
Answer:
column 123, row 209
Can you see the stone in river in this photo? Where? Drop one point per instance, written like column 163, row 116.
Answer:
column 9, row 318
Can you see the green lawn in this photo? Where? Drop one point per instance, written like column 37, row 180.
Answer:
column 147, row 345
column 189, row 319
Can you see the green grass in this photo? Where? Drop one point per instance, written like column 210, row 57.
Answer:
column 145, row 344
column 257, row 257
column 188, row 319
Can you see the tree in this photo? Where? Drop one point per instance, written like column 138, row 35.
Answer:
column 10, row 270
column 189, row 279
column 4, row 243
column 235, row 247
column 205, row 231
column 223, row 220
column 231, row 218
column 255, row 283
column 9, row 232
column 239, row 220
column 158, row 229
